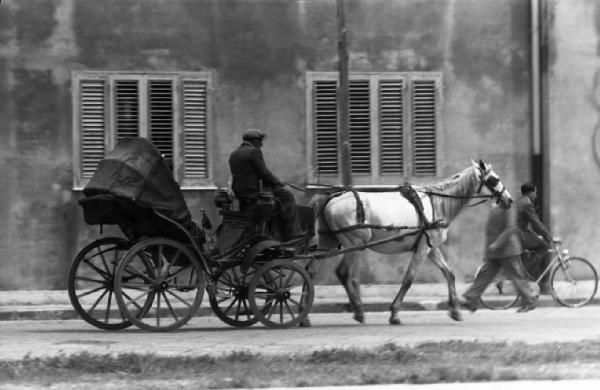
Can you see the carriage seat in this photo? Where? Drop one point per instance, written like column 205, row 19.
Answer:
column 259, row 209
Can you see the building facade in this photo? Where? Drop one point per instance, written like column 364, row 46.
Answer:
column 433, row 83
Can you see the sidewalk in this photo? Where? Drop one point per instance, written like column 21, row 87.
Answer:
column 55, row 304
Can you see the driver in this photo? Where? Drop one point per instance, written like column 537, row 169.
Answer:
column 249, row 171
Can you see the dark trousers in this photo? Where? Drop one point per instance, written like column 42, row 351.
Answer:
column 512, row 269
column 538, row 259
column 287, row 216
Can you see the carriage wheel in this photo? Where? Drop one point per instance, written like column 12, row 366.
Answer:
column 90, row 283
column 281, row 294
column 500, row 294
column 165, row 273
column 229, row 296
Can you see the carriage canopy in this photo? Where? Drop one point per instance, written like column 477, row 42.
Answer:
column 135, row 170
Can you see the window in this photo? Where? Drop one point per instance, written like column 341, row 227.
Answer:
column 170, row 109
column 393, row 127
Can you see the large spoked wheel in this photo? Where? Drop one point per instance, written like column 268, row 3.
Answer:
column 229, row 296
column 500, row 294
column 90, row 283
column 574, row 282
column 281, row 294
column 165, row 274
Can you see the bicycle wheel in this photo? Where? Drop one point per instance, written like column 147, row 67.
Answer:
column 90, row 283
column 574, row 282
column 500, row 294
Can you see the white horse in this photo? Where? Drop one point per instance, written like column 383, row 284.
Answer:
column 386, row 222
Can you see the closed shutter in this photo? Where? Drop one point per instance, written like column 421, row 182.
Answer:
column 424, row 125
column 325, row 126
column 359, row 112
column 127, row 108
column 195, row 134
column 161, row 116
column 391, row 129
column 92, row 122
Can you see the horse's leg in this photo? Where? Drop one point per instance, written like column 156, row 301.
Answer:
column 415, row 261
column 348, row 272
column 438, row 259
column 313, row 269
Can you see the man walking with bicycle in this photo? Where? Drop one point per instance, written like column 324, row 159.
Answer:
column 535, row 237
column 502, row 251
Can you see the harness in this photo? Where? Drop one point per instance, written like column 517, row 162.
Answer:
column 408, row 191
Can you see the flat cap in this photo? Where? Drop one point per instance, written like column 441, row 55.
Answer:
column 253, row 134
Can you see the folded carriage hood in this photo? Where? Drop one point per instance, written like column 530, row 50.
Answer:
column 135, row 170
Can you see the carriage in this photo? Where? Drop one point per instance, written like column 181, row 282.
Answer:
column 155, row 274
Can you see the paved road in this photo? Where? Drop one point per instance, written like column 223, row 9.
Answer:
column 207, row 335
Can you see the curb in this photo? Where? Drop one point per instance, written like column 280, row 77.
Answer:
column 66, row 312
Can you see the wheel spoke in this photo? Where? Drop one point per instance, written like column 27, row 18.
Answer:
column 107, row 312
column 290, row 310
column 97, row 301
column 87, row 279
column 179, row 298
column 90, row 292
column 226, row 311
column 104, row 262
column 98, row 270
column 170, row 307
column 134, row 300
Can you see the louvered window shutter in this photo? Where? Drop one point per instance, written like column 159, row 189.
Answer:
column 424, row 125
column 325, row 126
column 195, row 133
column 92, row 122
column 127, row 108
column 360, row 126
column 161, row 116
column 391, row 129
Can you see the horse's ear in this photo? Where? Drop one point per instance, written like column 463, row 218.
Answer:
column 482, row 165
column 474, row 163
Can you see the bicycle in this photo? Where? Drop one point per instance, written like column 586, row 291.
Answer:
column 573, row 282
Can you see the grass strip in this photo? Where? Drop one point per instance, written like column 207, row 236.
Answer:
column 451, row 361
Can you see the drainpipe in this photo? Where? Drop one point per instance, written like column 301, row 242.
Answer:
column 539, row 155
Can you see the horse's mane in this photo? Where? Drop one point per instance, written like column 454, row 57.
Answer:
column 460, row 184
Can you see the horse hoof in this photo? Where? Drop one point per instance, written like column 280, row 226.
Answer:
column 395, row 321
column 359, row 317
column 305, row 323
column 455, row 315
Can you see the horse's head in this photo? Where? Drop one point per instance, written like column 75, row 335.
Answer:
column 490, row 182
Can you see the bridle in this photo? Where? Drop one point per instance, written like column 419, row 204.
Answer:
column 491, row 182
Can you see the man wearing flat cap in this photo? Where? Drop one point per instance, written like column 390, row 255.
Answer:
column 249, row 171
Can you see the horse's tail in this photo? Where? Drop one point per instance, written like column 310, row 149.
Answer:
column 327, row 239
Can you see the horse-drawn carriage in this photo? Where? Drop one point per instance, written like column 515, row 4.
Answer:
column 155, row 276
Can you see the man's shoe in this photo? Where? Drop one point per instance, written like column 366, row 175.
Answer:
column 466, row 305
column 526, row 308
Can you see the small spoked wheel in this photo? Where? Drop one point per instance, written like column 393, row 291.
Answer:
column 574, row 282
column 90, row 283
column 229, row 296
column 500, row 294
column 281, row 294
column 159, row 284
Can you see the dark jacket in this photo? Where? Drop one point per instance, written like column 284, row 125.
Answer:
column 529, row 223
column 502, row 231
column 248, row 168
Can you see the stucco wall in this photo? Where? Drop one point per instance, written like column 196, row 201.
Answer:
column 259, row 52
column 574, row 124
